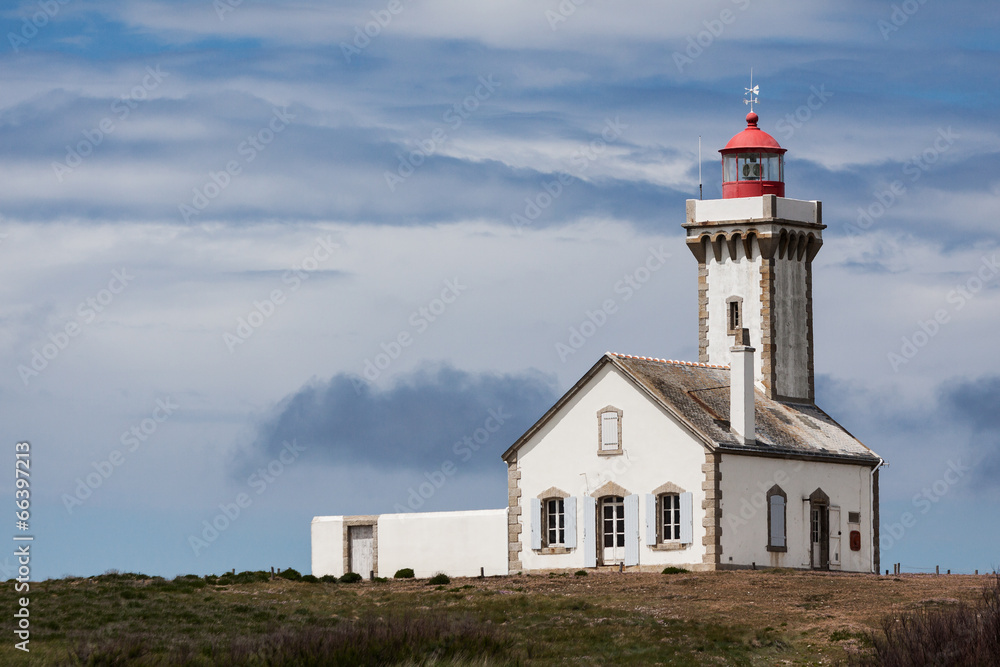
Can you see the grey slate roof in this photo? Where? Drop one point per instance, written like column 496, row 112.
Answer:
column 698, row 395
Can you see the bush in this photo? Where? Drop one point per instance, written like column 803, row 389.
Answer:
column 961, row 635
column 246, row 577
column 310, row 579
column 439, row 579
column 328, row 579
column 674, row 570
column 580, row 573
column 405, row 573
column 291, row 574
column 350, row 578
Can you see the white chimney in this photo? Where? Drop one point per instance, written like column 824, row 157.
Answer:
column 741, row 390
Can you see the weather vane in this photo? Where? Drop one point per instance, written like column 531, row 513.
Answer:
column 752, row 91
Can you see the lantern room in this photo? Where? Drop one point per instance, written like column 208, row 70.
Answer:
column 753, row 164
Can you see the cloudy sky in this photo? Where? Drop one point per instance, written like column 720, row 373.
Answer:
column 292, row 255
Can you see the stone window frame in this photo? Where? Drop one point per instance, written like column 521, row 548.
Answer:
column 545, row 496
column 777, row 491
column 730, row 329
column 671, row 544
column 601, row 451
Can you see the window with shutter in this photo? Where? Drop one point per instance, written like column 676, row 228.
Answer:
column 776, row 519
column 609, row 423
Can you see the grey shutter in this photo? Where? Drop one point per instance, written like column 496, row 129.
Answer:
column 569, row 507
column 687, row 518
column 650, row 520
column 777, row 508
column 632, row 529
column 589, row 531
column 536, row 523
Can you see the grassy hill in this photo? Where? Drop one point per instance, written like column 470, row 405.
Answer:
column 604, row 618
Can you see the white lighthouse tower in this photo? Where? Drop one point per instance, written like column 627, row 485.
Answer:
column 755, row 250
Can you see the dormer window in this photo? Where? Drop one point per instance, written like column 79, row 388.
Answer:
column 609, row 431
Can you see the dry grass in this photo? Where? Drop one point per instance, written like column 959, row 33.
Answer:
column 742, row 618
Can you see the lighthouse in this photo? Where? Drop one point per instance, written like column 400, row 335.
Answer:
column 755, row 249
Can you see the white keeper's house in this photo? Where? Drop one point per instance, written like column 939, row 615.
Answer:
column 726, row 462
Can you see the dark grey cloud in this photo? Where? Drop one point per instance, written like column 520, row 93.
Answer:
column 961, row 418
column 434, row 414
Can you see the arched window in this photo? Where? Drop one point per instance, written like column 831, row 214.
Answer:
column 777, row 510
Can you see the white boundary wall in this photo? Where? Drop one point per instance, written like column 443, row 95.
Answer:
column 328, row 545
column 455, row 543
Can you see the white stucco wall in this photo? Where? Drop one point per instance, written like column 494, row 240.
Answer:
column 564, row 455
column 327, row 545
column 734, row 278
column 456, row 543
column 745, row 482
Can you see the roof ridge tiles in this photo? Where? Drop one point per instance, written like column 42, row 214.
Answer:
column 668, row 361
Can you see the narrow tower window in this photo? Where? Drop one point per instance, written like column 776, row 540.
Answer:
column 735, row 314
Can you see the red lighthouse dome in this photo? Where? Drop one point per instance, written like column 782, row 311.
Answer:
column 753, row 164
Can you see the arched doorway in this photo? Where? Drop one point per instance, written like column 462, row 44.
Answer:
column 819, row 529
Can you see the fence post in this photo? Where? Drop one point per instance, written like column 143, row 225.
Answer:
column 937, row 569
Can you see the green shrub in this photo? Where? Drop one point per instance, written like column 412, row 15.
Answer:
column 439, row 579
column 291, row 574
column 328, row 579
column 405, row 573
column 380, row 580
column 581, row 573
column 350, row 578
column 674, row 570
column 310, row 579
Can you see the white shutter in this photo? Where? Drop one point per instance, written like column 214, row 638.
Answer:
column 569, row 507
column 609, row 430
column 650, row 520
column 687, row 518
column 835, row 533
column 589, row 531
column 632, row 529
column 777, row 509
column 536, row 523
